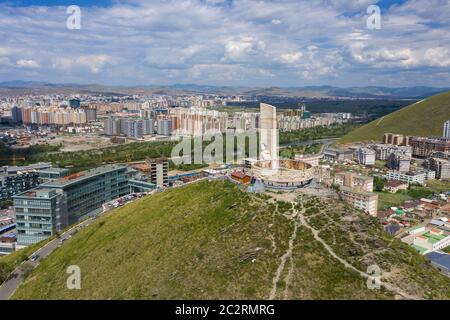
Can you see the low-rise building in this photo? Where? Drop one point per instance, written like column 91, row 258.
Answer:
column 334, row 154
column 410, row 177
column 352, row 180
column 366, row 201
column 240, row 177
column 312, row 159
column 393, row 186
column 431, row 240
column 441, row 261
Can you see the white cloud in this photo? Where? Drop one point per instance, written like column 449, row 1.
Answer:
column 94, row 63
column 254, row 42
column 438, row 57
column 236, row 50
column 291, row 58
column 22, row 63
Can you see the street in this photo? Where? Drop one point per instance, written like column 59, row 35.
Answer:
column 16, row 278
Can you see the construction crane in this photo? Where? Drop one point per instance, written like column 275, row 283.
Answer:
column 13, row 159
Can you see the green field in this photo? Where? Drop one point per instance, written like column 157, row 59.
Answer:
column 387, row 200
column 438, row 185
column 210, row 240
column 424, row 118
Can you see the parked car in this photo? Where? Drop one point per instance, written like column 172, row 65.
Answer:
column 35, row 257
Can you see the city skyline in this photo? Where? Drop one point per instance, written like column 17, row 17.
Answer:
column 227, row 43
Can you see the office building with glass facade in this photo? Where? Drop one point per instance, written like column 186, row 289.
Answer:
column 55, row 204
column 86, row 191
column 40, row 213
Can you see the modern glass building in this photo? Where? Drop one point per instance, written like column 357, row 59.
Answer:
column 58, row 203
column 86, row 191
column 40, row 213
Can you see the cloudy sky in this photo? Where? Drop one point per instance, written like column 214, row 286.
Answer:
column 227, row 42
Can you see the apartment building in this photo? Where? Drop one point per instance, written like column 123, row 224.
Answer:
column 410, row 177
column 395, row 139
column 165, row 127
column 398, row 162
column 446, row 133
column 158, row 171
column 441, row 167
column 366, row 201
column 197, row 121
column 424, row 146
column 365, row 156
column 16, row 179
column 355, row 181
column 383, row 151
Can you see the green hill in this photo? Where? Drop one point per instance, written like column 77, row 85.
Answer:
column 211, row 240
column 425, row 118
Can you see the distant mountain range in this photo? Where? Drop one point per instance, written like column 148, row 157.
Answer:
column 372, row 92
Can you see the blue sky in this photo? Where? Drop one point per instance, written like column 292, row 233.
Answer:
column 227, row 42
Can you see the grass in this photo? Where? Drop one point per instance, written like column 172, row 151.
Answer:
column 360, row 240
column 11, row 261
column 150, row 249
column 424, row 118
column 438, row 186
column 208, row 240
column 387, row 200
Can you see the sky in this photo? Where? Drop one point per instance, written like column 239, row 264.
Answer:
column 227, row 42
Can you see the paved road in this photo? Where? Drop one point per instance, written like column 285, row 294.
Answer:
column 325, row 141
column 16, row 277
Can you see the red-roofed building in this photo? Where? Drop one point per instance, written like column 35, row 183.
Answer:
column 240, row 177
column 393, row 186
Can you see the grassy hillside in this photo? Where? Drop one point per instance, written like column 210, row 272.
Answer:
column 210, row 240
column 424, row 118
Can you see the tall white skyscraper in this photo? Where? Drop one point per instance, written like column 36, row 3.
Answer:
column 269, row 134
column 447, row 129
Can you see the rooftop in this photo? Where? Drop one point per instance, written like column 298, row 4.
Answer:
column 352, row 190
column 395, row 183
column 80, row 176
column 441, row 259
column 433, row 238
column 53, row 170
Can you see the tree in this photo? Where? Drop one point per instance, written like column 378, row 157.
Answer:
column 379, row 183
column 4, row 271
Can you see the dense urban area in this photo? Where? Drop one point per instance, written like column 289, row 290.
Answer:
column 69, row 159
